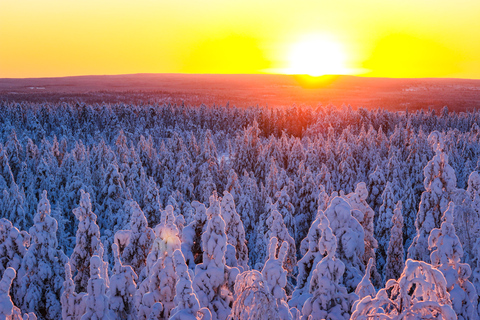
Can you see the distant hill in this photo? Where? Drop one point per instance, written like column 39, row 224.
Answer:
column 247, row 90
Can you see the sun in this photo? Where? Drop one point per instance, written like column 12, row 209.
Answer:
column 316, row 56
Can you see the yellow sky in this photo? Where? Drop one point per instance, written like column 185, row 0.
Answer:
column 388, row 38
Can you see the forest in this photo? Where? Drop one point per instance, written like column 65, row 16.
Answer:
column 173, row 211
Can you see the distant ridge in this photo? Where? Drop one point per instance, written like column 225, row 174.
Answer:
column 249, row 89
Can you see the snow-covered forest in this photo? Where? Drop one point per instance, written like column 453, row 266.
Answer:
column 217, row 212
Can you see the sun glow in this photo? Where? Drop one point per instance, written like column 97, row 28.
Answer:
column 317, row 56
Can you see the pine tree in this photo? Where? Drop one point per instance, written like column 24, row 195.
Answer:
column 96, row 300
column 419, row 293
column 275, row 276
column 234, row 229
column 276, row 228
column 358, row 201
column 446, row 255
column 187, row 306
column 122, row 289
column 13, row 246
column 395, row 253
column 87, row 242
column 151, row 201
column 73, row 306
column 309, row 260
column 252, row 298
column 439, row 183
column 213, row 280
column 42, row 272
column 8, row 310
column 350, row 245
column 141, row 239
column 384, row 226
column 329, row 299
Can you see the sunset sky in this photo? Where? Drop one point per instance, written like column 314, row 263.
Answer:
column 384, row 38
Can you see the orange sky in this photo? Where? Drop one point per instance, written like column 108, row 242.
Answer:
column 388, row 38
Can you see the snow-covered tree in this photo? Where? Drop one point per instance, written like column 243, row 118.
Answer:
column 13, row 245
column 234, row 229
column 161, row 288
column 275, row 276
column 287, row 210
column 113, row 194
column 213, row 280
column 446, row 255
column 309, row 260
column 87, row 242
column 357, row 201
column 253, row 300
column 192, row 235
column 187, row 306
column 151, row 203
column 365, row 287
column 376, row 187
column 140, row 240
column 395, row 254
column 42, row 272
column 96, row 300
column 350, row 243
column 122, row 289
column 419, row 293
column 384, row 225
column 8, row 310
column 276, row 228
column 329, row 298
column 73, row 306
column 439, row 183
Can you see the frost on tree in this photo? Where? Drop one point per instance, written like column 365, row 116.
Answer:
column 151, row 203
column 8, row 310
column 161, row 289
column 311, row 257
column 365, row 287
column 476, row 271
column 395, row 254
column 307, row 204
column 252, row 298
column 140, row 241
column 234, row 229
column 122, row 289
column 73, row 306
column 96, row 300
column 286, row 209
column 13, row 206
column 350, row 241
column 187, row 306
column 213, row 280
column 376, row 186
column 87, row 242
column 446, row 255
column 439, row 183
column 329, row 298
column 192, row 235
column 42, row 272
column 275, row 276
column 13, row 245
column 276, row 228
column 357, row 201
column 419, row 293
column 165, row 243
column 384, row 226
column 113, row 195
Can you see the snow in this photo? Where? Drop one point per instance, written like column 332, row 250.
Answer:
column 297, row 218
